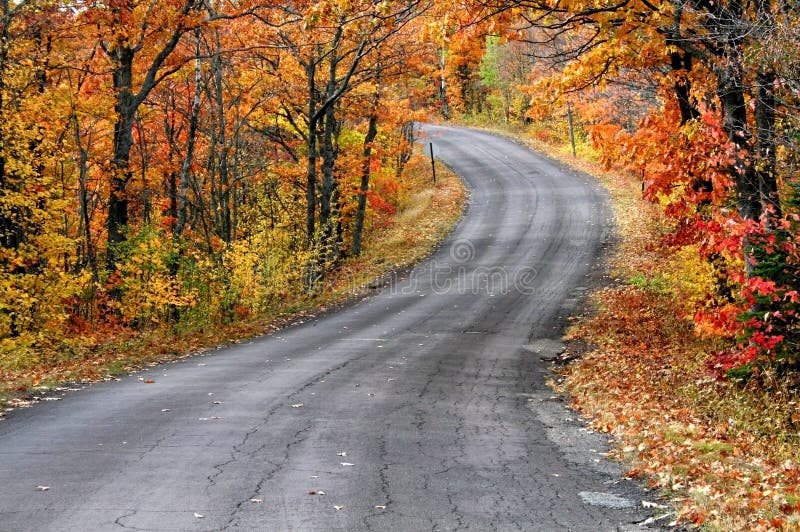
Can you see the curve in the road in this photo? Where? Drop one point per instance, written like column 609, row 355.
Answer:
column 421, row 408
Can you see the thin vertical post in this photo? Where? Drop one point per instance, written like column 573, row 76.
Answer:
column 433, row 161
column 571, row 128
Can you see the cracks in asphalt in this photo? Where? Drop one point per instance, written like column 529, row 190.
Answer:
column 383, row 473
column 432, row 376
column 325, row 374
column 297, row 438
column 385, row 489
column 275, row 465
column 152, row 447
column 118, row 521
column 484, row 383
column 238, row 448
column 219, row 468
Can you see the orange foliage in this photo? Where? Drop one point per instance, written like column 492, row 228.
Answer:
column 209, row 189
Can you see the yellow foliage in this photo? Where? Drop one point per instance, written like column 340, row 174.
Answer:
column 265, row 270
column 690, row 278
column 149, row 290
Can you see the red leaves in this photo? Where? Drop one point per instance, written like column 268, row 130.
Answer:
column 380, row 204
column 764, row 287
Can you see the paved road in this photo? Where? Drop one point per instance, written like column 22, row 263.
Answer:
column 421, row 408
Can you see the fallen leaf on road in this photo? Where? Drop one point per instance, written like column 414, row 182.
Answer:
column 42, row 488
column 648, row 504
column 651, row 520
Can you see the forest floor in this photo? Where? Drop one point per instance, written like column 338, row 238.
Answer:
column 724, row 453
column 425, row 214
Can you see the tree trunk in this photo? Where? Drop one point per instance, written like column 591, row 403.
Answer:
column 442, row 88
column 127, row 102
column 407, row 134
column 328, row 166
column 83, row 198
column 125, row 109
column 311, row 146
column 223, row 229
column 682, row 64
column 186, row 165
column 361, row 210
column 328, row 192
column 731, row 94
column 765, row 127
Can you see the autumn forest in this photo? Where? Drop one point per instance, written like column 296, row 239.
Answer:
column 185, row 171
column 178, row 164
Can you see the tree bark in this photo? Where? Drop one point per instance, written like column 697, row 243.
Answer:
column 329, row 150
column 223, row 211
column 682, row 63
column 186, row 165
column 125, row 109
column 328, row 192
column 311, row 147
column 730, row 89
column 361, row 209
column 765, row 135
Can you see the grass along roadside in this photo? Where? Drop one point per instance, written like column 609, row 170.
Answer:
column 724, row 453
column 426, row 212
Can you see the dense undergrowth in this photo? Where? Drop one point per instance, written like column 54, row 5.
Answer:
column 723, row 451
column 422, row 214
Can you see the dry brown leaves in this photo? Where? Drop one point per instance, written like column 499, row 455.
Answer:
column 708, row 445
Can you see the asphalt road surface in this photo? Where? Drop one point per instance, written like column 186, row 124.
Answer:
column 421, row 408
